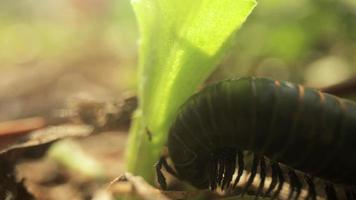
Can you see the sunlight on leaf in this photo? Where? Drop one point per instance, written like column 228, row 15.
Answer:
column 181, row 43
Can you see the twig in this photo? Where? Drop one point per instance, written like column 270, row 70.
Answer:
column 129, row 184
column 11, row 131
column 341, row 89
column 103, row 115
column 50, row 134
column 21, row 126
column 138, row 186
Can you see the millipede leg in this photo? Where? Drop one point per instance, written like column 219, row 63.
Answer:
column 280, row 179
column 220, row 169
column 160, row 177
column 229, row 163
column 241, row 166
column 169, row 169
column 295, row 184
column 252, row 174
column 311, row 188
column 330, row 191
column 213, row 173
column 263, row 177
column 274, row 181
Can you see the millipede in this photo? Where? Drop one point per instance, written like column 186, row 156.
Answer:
column 274, row 130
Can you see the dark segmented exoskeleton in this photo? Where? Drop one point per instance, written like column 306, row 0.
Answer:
column 310, row 133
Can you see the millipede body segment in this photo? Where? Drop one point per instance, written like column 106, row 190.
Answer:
column 279, row 122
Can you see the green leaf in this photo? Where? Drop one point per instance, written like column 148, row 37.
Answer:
column 181, row 43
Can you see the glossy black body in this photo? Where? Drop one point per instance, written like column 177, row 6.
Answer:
column 300, row 127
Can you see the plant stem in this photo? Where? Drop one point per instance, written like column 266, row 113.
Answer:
column 141, row 153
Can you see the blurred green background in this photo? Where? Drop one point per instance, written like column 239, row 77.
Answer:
column 52, row 51
column 58, row 31
column 310, row 42
column 95, row 41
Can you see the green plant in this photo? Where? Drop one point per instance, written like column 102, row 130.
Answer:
column 182, row 41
